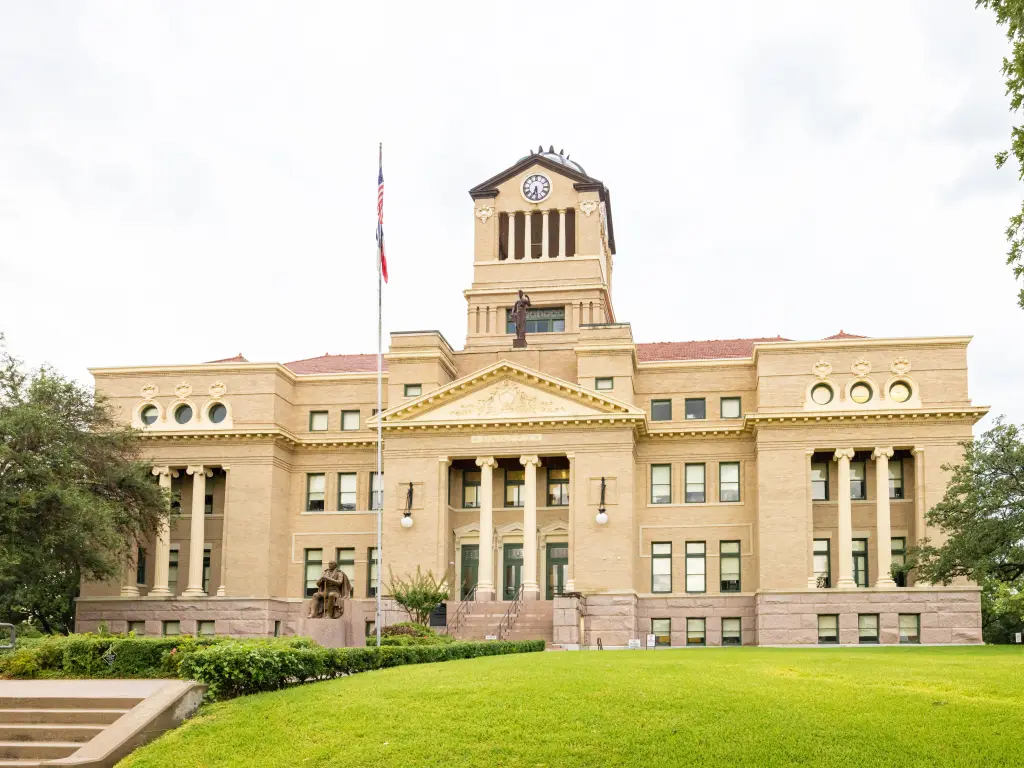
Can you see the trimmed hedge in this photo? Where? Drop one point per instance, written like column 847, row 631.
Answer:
column 236, row 669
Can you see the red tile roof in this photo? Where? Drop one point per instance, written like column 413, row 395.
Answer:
column 843, row 335
column 236, row 359
column 699, row 350
column 335, row 364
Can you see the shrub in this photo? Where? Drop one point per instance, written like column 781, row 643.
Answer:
column 404, row 640
column 419, row 593
column 407, row 628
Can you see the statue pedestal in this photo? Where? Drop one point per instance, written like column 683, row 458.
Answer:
column 518, row 343
column 330, row 633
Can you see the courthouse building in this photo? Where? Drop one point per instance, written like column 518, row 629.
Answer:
column 586, row 487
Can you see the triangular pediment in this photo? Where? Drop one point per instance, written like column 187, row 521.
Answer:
column 489, row 188
column 507, row 393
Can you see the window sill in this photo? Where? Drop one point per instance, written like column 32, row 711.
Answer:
column 327, row 513
column 697, row 504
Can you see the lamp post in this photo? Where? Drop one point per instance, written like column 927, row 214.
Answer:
column 602, row 513
column 407, row 515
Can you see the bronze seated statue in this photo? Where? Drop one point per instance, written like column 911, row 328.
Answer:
column 333, row 587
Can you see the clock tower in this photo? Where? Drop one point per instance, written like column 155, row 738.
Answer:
column 544, row 226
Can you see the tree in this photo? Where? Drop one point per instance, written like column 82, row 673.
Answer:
column 982, row 513
column 74, row 495
column 419, row 594
column 1011, row 14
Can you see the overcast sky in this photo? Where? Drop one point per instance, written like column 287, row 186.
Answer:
column 185, row 181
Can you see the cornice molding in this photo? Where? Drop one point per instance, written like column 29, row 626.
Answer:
column 973, row 414
column 204, row 369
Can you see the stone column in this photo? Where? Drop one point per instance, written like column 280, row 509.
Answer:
column 544, row 234
column 845, row 544
column 561, row 232
column 883, row 524
column 222, row 590
column 527, row 234
column 920, row 507
column 531, row 589
column 511, row 235
column 129, row 585
column 812, row 583
column 485, row 579
column 197, row 533
column 570, row 578
column 443, row 463
column 162, row 555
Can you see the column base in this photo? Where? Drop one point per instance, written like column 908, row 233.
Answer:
column 129, row 591
column 484, row 595
column 846, row 584
column 193, row 592
column 160, row 592
column 221, row 592
column 885, row 583
column 531, row 592
column 812, row 583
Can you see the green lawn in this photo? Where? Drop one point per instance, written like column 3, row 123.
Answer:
column 709, row 707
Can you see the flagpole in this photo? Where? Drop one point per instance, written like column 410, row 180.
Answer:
column 380, row 374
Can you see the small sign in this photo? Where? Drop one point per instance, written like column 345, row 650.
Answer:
column 651, row 641
column 634, row 645
column 1018, row 637
column 490, row 637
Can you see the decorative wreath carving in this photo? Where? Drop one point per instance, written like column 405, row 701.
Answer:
column 484, row 212
column 588, row 207
column 149, row 391
column 861, row 368
column 900, row 366
column 217, row 389
column 183, row 390
column 822, row 369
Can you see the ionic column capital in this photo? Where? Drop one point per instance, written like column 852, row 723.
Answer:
column 880, row 452
column 528, row 460
column 561, row 211
column 917, row 450
column 844, row 453
column 199, row 469
column 444, row 460
column 164, row 472
column 487, row 461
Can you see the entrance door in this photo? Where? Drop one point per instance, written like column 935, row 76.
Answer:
column 470, row 569
column 512, row 570
column 558, row 568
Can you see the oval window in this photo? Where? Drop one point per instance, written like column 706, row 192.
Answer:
column 821, row 394
column 183, row 415
column 149, row 415
column 218, row 412
column 899, row 392
column 860, row 393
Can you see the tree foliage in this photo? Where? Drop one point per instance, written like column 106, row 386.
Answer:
column 1010, row 13
column 74, row 494
column 419, row 593
column 982, row 514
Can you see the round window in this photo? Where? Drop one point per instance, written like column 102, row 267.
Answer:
column 218, row 412
column 899, row 392
column 821, row 394
column 860, row 393
column 183, row 415
column 149, row 415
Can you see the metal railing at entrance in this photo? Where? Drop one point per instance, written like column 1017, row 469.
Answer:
column 511, row 614
column 453, row 623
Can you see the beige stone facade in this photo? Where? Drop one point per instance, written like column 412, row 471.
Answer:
column 746, row 491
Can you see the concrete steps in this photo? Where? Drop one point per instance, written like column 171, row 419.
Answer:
column 533, row 622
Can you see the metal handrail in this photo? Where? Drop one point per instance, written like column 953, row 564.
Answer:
column 14, row 636
column 511, row 614
column 453, row 624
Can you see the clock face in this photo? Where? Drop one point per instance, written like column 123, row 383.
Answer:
column 536, row 187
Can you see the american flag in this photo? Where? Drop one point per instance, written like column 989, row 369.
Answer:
column 380, row 214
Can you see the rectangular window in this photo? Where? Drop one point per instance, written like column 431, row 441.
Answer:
column 896, row 478
column 318, row 421
column 661, row 484
column 661, row 410
column 206, row 628
column 732, row 631
column 315, row 485
column 694, row 484
column 899, row 557
column 471, row 489
column 819, row 481
column 208, row 504
column 540, row 320
column 822, row 563
column 867, row 627
column 662, row 631
column 858, row 488
column 138, row 627
column 346, row 560
column 347, row 496
column 172, row 628
column 515, row 487
column 277, row 629
column 349, row 421
column 313, row 569
column 860, row 562
column 371, row 628
column 910, row 628
column 140, row 566
column 696, row 567
column 731, row 408
column 661, row 566
column 172, row 571
column 729, row 481
column 696, row 408
column 604, row 383
column 695, row 631
column 729, row 565
column 828, row 628
column 558, row 487
column 376, row 492
column 413, row 390
column 207, row 554
column 371, row 572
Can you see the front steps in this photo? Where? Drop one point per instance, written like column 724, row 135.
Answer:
column 533, row 622
column 37, row 728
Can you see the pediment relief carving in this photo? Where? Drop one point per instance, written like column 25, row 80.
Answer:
column 506, row 398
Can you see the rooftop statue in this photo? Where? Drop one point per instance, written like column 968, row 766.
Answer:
column 519, row 318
